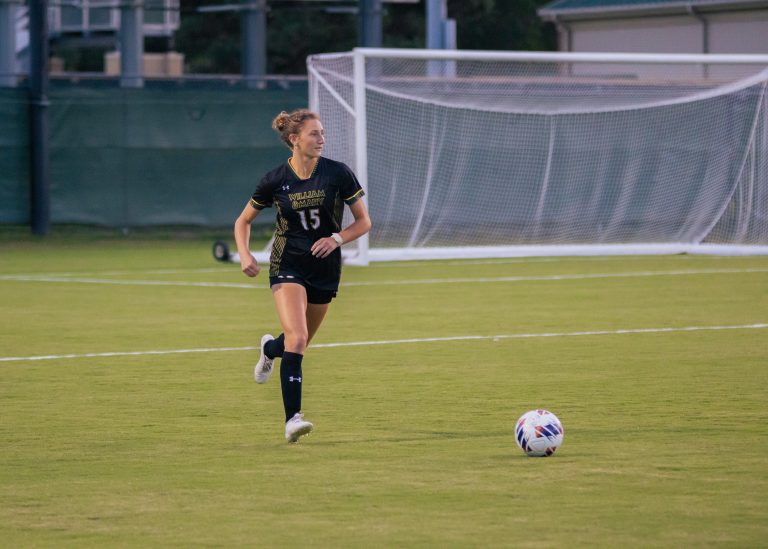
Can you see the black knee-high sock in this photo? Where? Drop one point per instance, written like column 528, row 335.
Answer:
column 275, row 347
column 290, row 382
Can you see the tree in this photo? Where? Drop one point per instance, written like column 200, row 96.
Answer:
column 501, row 25
column 211, row 41
column 296, row 31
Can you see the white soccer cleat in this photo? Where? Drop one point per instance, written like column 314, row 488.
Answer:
column 297, row 427
column 263, row 368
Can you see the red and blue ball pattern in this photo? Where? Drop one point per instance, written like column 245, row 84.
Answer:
column 539, row 433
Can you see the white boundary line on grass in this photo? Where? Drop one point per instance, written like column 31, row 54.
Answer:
column 582, row 276
column 229, row 268
column 222, row 269
column 117, row 282
column 398, row 341
column 405, row 282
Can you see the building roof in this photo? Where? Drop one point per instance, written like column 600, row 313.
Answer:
column 593, row 9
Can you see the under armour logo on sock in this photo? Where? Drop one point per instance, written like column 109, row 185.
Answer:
column 291, row 378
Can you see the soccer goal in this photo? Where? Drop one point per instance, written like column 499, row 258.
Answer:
column 498, row 154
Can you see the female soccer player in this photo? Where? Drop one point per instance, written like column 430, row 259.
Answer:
column 309, row 193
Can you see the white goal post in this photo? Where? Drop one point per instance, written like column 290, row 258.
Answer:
column 468, row 154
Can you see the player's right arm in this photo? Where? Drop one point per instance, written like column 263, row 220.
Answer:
column 248, row 264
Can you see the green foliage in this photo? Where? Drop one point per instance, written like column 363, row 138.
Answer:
column 294, row 32
column 501, row 25
column 404, row 26
column 211, row 42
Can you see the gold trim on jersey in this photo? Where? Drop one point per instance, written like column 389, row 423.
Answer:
column 354, row 197
column 258, row 205
column 290, row 165
column 278, row 246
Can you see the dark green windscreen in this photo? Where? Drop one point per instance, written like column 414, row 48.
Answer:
column 138, row 157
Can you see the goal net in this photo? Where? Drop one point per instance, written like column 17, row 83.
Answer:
column 497, row 154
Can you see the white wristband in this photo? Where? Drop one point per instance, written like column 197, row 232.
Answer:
column 337, row 238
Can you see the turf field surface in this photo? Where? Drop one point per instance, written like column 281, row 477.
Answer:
column 130, row 416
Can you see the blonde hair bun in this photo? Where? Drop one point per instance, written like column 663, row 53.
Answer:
column 290, row 123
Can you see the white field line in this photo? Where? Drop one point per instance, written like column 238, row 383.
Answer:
column 403, row 282
column 228, row 268
column 506, row 260
column 222, row 269
column 498, row 337
column 117, row 282
column 583, row 276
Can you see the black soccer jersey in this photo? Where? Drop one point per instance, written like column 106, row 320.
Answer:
column 307, row 210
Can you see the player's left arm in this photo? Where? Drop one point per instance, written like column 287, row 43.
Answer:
column 361, row 225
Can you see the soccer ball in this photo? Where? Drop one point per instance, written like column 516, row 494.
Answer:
column 539, row 433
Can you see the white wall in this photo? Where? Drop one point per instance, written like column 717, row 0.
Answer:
column 736, row 32
column 739, row 32
column 678, row 34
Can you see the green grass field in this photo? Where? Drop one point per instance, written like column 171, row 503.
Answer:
column 666, row 442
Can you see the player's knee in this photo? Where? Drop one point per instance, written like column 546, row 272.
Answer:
column 296, row 342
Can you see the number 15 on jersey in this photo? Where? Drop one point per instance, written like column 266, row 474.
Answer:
column 314, row 218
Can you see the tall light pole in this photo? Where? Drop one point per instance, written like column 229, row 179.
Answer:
column 254, row 50
column 40, row 203
column 132, row 43
column 370, row 23
column 437, row 12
